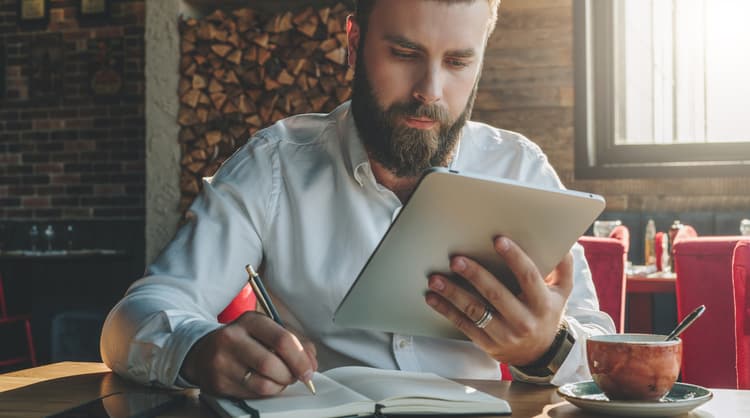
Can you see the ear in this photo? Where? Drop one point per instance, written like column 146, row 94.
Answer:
column 352, row 35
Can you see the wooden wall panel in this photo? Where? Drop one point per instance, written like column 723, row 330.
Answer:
column 528, row 85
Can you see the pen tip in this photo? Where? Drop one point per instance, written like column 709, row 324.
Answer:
column 311, row 386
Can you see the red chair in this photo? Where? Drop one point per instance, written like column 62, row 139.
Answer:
column 607, row 258
column 6, row 323
column 243, row 302
column 715, row 348
column 741, row 267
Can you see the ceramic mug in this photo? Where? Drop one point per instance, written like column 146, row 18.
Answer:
column 640, row 367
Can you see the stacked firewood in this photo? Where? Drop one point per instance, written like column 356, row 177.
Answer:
column 242, row 71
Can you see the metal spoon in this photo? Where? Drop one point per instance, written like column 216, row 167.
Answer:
column 692, row 316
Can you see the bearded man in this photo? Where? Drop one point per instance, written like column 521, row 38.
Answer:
column 311, row 196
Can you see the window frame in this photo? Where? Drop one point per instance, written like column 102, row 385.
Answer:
column 596, row 154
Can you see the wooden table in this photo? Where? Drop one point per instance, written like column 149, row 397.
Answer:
column 43, row 390
column 640, row 290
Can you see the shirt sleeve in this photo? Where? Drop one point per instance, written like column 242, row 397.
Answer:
column 582, row 314
column 149, row 332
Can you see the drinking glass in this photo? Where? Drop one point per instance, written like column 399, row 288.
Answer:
column 745, row 227
column 49, row 235
column 69, row 235
column 33, row 237
column 604, row 228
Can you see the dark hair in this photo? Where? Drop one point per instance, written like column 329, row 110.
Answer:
column 363, row 9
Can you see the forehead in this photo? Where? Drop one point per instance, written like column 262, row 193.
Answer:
column 436, row 25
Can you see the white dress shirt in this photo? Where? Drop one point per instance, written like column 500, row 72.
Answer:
column 301, row 197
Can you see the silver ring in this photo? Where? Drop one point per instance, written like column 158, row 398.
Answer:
column 247, row 376
column 485, row 319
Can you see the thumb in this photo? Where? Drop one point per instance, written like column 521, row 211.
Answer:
column 312, row 352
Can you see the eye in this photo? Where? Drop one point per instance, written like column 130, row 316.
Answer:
column 456, row 63
column 401, row 53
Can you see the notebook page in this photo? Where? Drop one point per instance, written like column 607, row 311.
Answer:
column 331, row 399
column 414, row 392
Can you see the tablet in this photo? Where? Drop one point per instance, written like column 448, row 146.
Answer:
column 453, row 213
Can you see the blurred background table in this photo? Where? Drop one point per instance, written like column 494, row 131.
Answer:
column 641, row 288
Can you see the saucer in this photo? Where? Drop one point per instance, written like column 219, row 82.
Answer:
column 682, row 398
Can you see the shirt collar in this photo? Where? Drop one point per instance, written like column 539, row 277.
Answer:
column 359, row 162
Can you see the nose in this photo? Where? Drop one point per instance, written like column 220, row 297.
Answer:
column 429, row 89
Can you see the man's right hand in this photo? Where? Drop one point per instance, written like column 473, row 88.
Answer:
column 219, row 362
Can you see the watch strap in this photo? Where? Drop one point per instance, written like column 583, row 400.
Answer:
column 549, row 363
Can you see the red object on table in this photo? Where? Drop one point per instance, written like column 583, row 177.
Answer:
column 243, row 302
column 607, row 258
column 706, row 276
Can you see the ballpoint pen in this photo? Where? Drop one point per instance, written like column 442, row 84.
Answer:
column 267, row 305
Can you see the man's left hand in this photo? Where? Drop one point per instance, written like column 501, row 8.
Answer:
column 523, row 327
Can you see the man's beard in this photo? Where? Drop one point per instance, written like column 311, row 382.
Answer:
column 405, row 151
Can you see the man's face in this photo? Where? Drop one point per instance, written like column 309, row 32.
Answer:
column 415, row 79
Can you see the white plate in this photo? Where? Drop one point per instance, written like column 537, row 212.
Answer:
column 681, row 399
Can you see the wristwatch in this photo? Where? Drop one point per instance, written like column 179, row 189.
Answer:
column 549, row 363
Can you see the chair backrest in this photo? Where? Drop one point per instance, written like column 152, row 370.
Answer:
column 705, row 277
column 686, row 231
column 243, row 302
column 607, row 258
column 741, row 270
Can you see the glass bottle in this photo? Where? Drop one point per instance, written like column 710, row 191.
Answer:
column 49, row 235
column 33, row 237
column 649, row 252
column 69, row 235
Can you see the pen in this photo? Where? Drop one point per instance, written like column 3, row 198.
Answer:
column 265, row 301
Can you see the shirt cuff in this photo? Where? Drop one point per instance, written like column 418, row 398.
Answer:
column 180, row 342
column 575, row 366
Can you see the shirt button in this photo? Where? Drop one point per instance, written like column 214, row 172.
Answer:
column 403, row 344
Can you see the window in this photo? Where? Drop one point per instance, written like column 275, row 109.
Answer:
column 662, row 88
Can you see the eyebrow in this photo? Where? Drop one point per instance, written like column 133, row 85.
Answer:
column 406, row 43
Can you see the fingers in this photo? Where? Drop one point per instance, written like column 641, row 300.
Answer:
column 312, row 353
column 283, row 358
column 253, row 356
column 446, row 305
column 489, row 286
column 562, row 276
column 526, row 272
column 255, row 385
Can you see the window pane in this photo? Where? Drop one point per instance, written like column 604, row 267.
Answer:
column 680, row 70
column 690, row 65
column 728, row 66
column 634, row 121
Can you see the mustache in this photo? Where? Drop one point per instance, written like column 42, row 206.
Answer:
column 420, row 110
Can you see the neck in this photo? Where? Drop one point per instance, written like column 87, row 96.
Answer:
column 403, row 187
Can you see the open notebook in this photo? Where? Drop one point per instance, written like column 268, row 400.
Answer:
column 347, row 391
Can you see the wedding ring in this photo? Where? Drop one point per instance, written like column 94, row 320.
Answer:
column 485, row 319
column 247, row 376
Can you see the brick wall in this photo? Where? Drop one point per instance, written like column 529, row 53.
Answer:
column 68, row 149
